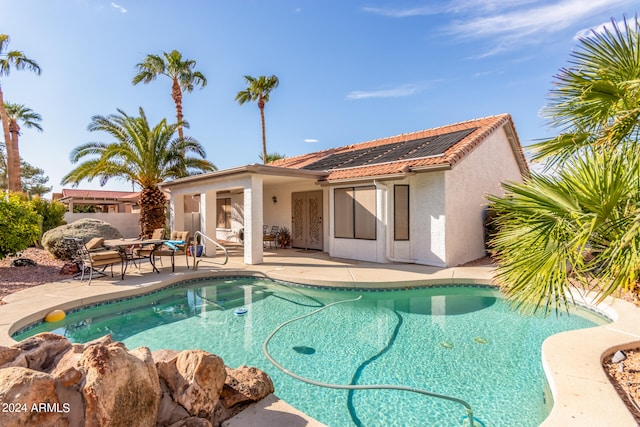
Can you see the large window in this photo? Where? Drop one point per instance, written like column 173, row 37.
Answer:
column 223, row 213
column 401, row 212
column 355, row 212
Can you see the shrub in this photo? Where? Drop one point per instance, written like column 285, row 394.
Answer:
column 52, row 213
column 19, row 225
column 85, row 229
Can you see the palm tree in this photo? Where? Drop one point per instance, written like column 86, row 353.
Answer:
column 183, row 77
column 30, row 119
column 258, row 89
column 596, row 101
column 576, row 229
column 140, row 154
column 19, row 61
column 581, row 227
column 272, row 157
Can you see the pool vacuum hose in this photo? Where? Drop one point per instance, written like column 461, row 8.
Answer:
column 469, row 418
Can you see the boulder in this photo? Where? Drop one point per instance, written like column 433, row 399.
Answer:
column 21, row 389
column 195, row 379
column 121, row 388
column 85, row 229
column 8, row 355
column 245, row 384
column 69, row 268
column 101, row 383
column 242, row 387
column 192, row 422
column 40, row 351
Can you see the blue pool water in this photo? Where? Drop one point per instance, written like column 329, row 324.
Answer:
column 459, row 341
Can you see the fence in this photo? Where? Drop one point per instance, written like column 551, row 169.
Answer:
column 126, row 223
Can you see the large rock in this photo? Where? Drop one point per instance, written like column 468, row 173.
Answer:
column 21, row 389
column 85, row 229
column 195, row 379
column 245, row 384
column 242, row 387
column 192, row 422
column 101, row 383
column 121, row 388
column 39, row 352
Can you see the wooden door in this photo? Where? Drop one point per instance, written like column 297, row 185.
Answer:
column 306, row 220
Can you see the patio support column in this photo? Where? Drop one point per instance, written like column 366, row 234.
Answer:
column 177, row 212
column 208, row 213
column 253, row 220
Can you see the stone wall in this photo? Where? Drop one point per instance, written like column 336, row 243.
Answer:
column 47, row 381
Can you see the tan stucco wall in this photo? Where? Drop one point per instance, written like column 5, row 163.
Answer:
column 466, row 186
column 126, row 223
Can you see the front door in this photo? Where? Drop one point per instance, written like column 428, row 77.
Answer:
column 306, row 220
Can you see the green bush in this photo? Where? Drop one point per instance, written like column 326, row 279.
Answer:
column 52, row 213
column 19, row 225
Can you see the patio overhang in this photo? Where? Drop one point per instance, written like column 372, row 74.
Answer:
column 259, row 169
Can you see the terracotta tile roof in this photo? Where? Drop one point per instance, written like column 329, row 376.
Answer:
column 98, row 194
column 478, row 130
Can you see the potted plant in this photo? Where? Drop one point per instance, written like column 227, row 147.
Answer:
column 196, row 247
column 284, row 237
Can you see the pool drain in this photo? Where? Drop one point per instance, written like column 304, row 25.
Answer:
column 303, row 349
column 240, row 311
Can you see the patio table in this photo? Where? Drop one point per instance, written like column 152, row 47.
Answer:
column 122, row 244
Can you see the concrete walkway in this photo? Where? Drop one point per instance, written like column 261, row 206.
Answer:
column 582, row 393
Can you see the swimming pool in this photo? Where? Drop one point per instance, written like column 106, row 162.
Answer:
column 459, row 341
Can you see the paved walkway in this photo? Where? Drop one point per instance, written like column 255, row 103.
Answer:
column 583, row 394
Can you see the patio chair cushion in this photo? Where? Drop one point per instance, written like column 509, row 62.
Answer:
column 106, row 255
column 158, row 233
column 180, row 235
column 94, row 243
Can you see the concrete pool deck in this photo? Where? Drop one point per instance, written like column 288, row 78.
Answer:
column 583, row 394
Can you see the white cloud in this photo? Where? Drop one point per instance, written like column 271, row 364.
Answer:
column 404, row 90
column 311, row 140
column 403, row 13
column 120, row 8
column 600, row 29
column 509, row 24
column 523, row 23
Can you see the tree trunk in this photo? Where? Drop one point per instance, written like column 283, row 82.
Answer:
column 12, row 184
column 176, row 94
column 14, row 171
column 264, row 137
column 152, row 211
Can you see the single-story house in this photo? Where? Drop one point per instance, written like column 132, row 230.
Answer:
column 416, row 197
column 103, row 201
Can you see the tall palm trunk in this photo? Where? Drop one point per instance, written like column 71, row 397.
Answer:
column 13, row 185
column 264, row 137
column 14, row 170
column 152, row 203
column 176, row 94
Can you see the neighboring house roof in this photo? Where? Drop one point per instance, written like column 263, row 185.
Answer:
column 105, row 195
column 440, row 147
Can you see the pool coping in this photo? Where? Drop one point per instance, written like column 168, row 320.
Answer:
column 582, row 392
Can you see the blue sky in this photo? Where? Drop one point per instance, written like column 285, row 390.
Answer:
column 349, row 71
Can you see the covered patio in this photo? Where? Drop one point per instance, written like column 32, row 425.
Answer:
column 238, row 202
